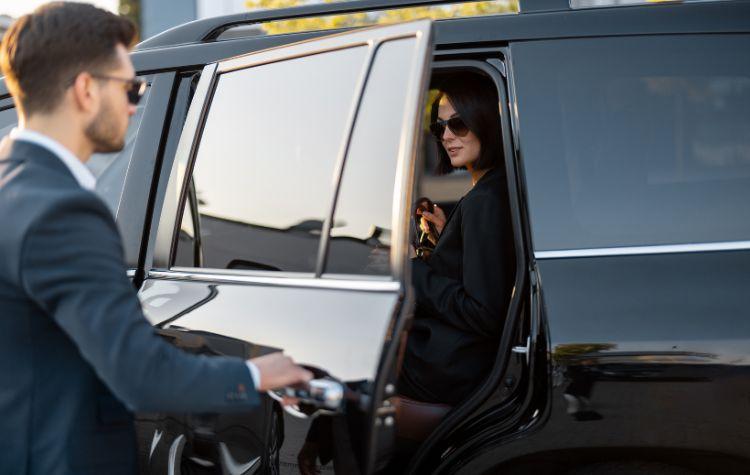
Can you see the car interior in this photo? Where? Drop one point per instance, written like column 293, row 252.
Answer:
column 416, row 420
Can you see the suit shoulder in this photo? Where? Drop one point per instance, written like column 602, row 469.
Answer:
column 34, row 192
column 31, row 196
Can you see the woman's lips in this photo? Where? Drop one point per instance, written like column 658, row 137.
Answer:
column 453, row 150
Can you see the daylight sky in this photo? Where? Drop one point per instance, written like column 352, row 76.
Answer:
column 16, row 8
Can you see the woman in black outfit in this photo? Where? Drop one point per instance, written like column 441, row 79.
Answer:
column 463, row 288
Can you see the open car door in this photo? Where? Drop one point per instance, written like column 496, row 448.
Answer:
column 282, row 225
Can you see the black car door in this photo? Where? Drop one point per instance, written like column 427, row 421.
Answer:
column 281, row 224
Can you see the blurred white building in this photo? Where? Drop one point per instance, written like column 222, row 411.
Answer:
column 160, row 15
column 5, row 22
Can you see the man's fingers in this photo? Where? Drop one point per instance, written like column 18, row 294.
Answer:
column 278, row 370
column 304, row 375
column 289, row 401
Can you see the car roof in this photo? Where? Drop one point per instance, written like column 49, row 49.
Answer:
column 195, row 44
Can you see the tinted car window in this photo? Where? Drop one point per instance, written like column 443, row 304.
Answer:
column 186, row 244
column 108, row 168
column 635, row 141
column 264, row 168
column 361, row 234
column 8, row 120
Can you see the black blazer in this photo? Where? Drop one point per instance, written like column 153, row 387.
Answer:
column 462, row 292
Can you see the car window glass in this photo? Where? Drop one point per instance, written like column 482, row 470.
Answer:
column 8, row 120
column 108, row 168
column 185, row 256
column 361, row 233
column 636, row 141
column 264, row 167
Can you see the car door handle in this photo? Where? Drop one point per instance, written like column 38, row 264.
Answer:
column 324, row 395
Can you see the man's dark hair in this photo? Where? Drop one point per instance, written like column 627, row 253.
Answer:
column 43, row 52
column 475, row 99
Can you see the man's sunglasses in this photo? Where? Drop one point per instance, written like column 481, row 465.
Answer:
column 135, row 88
column 455, row 123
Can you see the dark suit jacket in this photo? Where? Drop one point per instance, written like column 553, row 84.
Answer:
column 463, row 292
column 76, row 354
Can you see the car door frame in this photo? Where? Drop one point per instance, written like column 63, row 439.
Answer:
column 524, row 409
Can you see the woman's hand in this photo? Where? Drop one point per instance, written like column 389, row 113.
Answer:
column 437, row 218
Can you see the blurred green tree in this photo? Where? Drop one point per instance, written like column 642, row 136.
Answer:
column 379, row 17
column 131, row 9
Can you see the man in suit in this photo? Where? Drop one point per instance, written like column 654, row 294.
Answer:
column 76, row 354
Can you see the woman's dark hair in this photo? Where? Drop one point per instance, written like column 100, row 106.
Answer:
column 475, row 99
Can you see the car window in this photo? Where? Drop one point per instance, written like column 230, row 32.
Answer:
column 635, row 141
column 108, row 168
column 264, row 170
column 186, row 246
column 361, row 232
column 8, row 120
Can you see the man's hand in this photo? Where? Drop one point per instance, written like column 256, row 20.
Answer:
column 277, row 371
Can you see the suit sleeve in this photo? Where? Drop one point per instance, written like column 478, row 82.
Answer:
column 477, row 303
column 72, row 267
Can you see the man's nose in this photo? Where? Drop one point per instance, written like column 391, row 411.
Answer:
column 131, row 109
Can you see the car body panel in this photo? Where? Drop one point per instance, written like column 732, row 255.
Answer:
column 642, row 357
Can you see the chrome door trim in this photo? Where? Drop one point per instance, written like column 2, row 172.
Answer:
column 640, row 250
column 194, row 275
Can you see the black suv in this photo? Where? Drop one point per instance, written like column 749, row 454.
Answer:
column 265, row 193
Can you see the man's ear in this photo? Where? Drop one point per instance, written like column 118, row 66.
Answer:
column 85, row 93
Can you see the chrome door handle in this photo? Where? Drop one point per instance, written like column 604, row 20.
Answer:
column 323, row 394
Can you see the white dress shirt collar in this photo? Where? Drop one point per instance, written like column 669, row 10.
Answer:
column 83, row 175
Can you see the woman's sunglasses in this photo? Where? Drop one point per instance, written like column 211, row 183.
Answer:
column 455, row 123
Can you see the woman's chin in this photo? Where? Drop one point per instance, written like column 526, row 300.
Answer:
column 457, row 162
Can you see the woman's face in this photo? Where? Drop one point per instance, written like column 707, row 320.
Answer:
column 462, row 151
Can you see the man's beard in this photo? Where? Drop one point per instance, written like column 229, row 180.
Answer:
column 103, row 133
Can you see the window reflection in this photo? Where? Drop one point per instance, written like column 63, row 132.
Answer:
column 636, row 142
column 264, row 170
column 361, row 238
